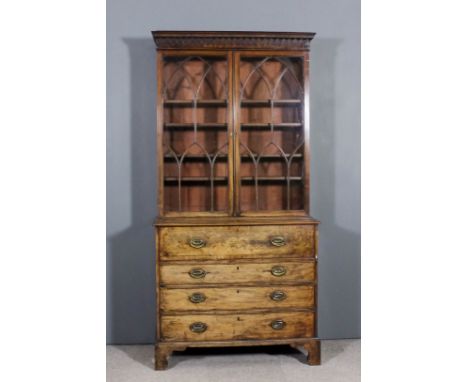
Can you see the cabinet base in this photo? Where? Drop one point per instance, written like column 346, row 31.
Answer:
column 163, row 350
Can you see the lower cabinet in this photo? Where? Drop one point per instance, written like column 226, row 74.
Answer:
column 236, row 285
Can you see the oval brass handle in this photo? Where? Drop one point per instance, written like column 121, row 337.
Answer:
column 197, row 273
column 198, row 327
column 278, row 324
column 278, row 295
column 196, row 242
column 278, row 270
column 197, row 297
column 278, row 241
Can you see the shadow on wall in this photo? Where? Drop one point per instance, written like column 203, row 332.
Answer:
column 131, row 256
column 339, row 249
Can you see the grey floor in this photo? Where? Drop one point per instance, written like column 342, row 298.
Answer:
column 341, row 361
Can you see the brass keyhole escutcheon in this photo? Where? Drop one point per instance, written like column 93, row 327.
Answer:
column 196, row 242
column 278, row 241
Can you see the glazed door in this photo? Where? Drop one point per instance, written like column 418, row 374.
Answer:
column 194, row 129
column 271, row 124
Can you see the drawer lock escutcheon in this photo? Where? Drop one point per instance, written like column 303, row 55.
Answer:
column 197, row 273
column 278, row 324
column 197, row 297
column 198, row 327
column 196, row 242
column 278, row 295
column 278, row 241
column 278, row 270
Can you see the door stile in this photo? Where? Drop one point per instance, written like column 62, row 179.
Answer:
column 306, row 127
column 159, row 131
column 236, row 131
column 231, row 135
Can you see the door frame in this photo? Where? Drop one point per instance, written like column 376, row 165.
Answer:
column 236, row 108
column 161, row 53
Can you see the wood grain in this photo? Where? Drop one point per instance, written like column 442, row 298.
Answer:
column 236, row 298
column 238, row 272
column 235, row 242
column 237, row 326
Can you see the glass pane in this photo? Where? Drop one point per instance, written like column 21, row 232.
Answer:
column 195, row 139
column 271, row 133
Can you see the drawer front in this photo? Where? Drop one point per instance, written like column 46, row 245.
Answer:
column 204, row 327
column 271, row 272
column 228, row 242
column 237, row 298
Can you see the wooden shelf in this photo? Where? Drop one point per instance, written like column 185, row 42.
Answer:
column 196, row 157
column 195, row 179
column 262, row 126
column 271, row 178
column 191, row 102
column 190, row 126
column 223, row 157
column 269, row 102
column 271, row 156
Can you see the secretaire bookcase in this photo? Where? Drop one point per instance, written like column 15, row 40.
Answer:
column 236, row 248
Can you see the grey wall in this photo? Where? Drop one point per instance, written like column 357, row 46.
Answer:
column 131, row 184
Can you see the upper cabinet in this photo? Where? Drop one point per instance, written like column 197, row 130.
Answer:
column 233, row 123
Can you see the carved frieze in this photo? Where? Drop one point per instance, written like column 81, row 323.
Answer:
column 233, row 40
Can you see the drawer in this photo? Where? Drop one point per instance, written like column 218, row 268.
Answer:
column 230, row 242
column 270, row 272
column 205, row 327
column 237, row 298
